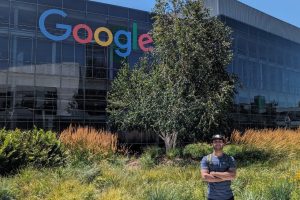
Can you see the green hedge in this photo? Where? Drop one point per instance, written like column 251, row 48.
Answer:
column 197, row 151
column 38, row 147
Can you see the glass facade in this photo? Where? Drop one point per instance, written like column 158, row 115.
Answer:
column 268, row 67
column 53, row 84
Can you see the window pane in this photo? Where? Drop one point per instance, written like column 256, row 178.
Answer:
column 4, row 11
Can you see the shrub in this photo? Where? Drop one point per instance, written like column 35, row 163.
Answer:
column 197, row 151
column 246, row 154
column 147, row 161
column 38, row 147
column 173, row 153
column 233, row 150
column 87, row 139
column 6, row 194
column 153, row 151
column 150, row 156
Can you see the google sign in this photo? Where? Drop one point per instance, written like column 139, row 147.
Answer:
column 125, row 48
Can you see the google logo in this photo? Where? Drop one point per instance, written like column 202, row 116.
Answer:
column 144, row 41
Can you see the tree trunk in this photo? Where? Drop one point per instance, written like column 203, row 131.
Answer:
column 170, row 140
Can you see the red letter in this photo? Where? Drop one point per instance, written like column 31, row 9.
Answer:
column 89, row 31
column 143, row 40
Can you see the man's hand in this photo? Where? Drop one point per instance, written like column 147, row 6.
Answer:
column 206, row 176
column 212, row 179
column 226, row 176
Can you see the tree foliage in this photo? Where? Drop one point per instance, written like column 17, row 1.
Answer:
column 181, row 89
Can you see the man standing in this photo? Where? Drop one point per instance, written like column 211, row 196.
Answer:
column 218, row 169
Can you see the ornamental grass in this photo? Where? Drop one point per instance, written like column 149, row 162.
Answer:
column 283, row 141
column 89, row 139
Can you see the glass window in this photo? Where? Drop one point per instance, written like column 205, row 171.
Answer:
column 28, row 1
column 48, row 52
column 80, row 54
column 138, row 15
column 118, row 11
column 99, row 73
column 56, row 3
column 242, row 46
column 95, row 20
column 23, row 14
column 21, row 51
column 4, row 46
column 74, row 18
column 4, row 11
column 96, row 7
column 238, row 67
column 3, row 65
column 79, row 5
column 252, row 49
column 263, row 52
column 68, row 52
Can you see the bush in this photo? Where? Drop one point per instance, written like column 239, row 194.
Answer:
column 20, row 148
column 173, row 153
column 246, row 154
column 233, row 150
column 150, row 156
column 147, row 161
column 197, row 151
column 153, row 151
column 6, row 194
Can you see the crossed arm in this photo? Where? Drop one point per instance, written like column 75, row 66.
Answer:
column 214, row 177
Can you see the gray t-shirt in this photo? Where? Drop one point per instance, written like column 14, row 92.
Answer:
column 220, row 190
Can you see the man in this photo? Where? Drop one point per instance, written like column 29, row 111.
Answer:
column 218, row 169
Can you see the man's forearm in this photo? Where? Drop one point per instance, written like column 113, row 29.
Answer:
column 224, row 175
column 212, row 179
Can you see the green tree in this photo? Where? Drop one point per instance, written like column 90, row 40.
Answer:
column 181, row 89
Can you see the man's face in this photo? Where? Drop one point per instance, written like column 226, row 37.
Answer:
column 218, row 144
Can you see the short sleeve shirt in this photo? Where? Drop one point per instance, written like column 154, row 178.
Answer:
column 220, row 190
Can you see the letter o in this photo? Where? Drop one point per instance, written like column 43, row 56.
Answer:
column 108, row 32
column 85, row 27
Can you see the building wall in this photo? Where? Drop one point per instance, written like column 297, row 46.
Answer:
column 268, row 67
column 267, row 62
column 52, row 84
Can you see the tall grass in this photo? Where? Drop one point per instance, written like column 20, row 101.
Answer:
column 87, row 138
column 282, row 141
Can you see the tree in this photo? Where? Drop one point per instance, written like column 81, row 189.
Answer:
column 181, row 89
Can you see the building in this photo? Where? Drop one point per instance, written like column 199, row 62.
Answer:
column 267, row 62
column 51, row 83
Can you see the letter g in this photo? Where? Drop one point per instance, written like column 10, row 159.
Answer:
column 59, row 26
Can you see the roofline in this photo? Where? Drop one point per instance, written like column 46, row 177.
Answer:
column 253, row 17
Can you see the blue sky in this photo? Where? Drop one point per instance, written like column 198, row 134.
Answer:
column 286, row 10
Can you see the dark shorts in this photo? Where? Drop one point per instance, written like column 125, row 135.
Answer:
column 232, row 198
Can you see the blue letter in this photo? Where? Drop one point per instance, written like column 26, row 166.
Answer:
column 61, row 26
column 126, row 46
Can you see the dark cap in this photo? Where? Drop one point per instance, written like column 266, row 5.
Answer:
column 218, row 137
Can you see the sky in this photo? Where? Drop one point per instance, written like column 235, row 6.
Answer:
column 286, row 10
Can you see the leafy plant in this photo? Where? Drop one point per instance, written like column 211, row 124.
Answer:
column 38, row 147
column 197, row 151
